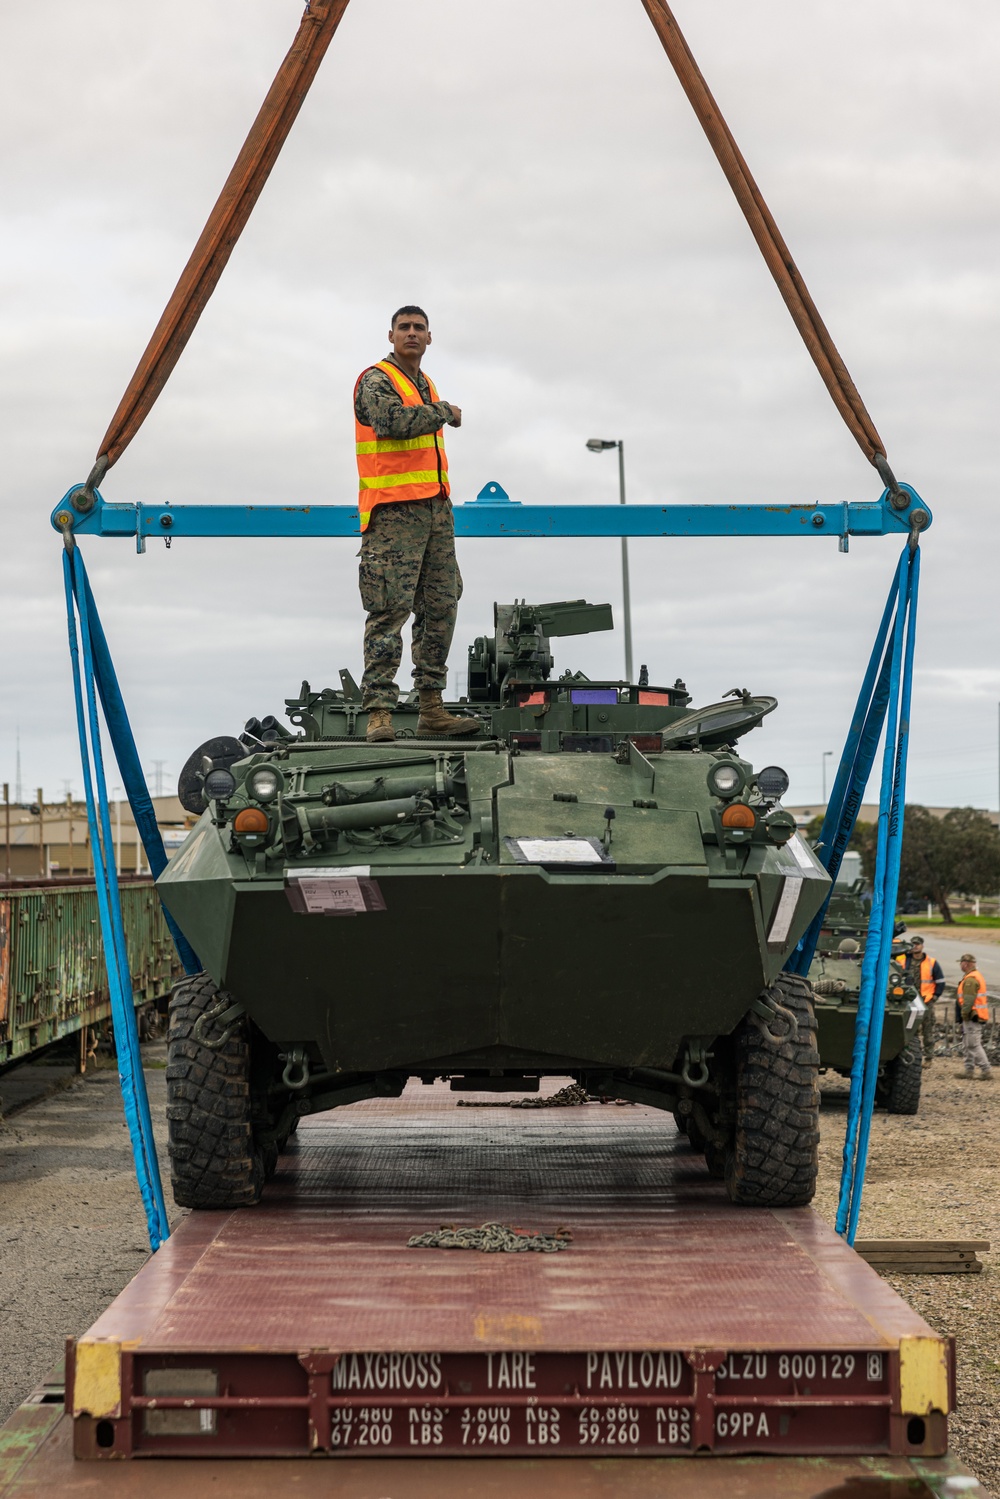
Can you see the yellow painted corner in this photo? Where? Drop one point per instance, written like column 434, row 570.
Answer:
column 97, row 1380
column 508, row 1330
column 923, row 1376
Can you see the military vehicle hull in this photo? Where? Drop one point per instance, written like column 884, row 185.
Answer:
column 835, row 1025
column 836, row 978
column 533, row 970
column 590, row 882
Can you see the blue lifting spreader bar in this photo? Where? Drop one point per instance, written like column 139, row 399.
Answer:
column 883, row 708
column 494, row 513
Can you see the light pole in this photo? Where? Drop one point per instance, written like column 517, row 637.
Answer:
column 118, row 830
column 600, row 445
column 826, row 756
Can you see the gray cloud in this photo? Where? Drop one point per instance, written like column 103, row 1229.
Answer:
column 533, row 174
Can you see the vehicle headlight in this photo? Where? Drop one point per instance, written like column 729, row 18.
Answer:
column 263, row 784
column 725, row 779
column 772, row 781
column 219, row 784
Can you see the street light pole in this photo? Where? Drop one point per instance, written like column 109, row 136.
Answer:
column 600, row 445
column 118, row 831
column 826, row 756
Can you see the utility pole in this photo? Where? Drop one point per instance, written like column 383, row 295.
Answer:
column 42, row 870
column 69, row 813
column 18, row 796
column 158, row 777
column 6, row 818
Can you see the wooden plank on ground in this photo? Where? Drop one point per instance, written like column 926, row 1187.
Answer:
column 923, row 1256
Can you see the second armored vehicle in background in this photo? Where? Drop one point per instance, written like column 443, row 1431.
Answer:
column 835, row 975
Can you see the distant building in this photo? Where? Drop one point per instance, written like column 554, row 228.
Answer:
column 55, row 840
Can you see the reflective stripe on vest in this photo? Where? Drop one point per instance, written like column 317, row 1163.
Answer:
column 927, row 984
column 979, row 1008
column 398, row 468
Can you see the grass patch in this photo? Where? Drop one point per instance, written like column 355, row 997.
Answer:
column 981, row 921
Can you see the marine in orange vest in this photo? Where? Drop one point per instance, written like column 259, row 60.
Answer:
column 408, row 563
column 925, row 972
column 971, row 1001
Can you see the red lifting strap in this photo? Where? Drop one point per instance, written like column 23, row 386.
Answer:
column 260, row 151
column 225, row 225
column 765, row 231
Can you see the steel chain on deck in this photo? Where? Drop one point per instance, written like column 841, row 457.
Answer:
column 566, row 1098
column 491, row 1238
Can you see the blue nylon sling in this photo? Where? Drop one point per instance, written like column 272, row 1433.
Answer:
column 883, row 704
column 93, row 674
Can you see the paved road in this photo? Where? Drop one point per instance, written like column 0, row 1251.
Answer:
column 948, row 950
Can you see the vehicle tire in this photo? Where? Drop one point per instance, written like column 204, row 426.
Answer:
column 901, row 1090
column 773, row 1158
column 213, row 1160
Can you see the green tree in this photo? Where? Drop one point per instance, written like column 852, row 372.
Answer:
column 957, row 854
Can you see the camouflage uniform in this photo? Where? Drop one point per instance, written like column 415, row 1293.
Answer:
column 408, row 563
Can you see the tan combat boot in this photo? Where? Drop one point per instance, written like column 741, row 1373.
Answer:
column 379, row 726
column 434, row 720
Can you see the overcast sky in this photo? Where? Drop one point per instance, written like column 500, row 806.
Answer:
column 533, row 175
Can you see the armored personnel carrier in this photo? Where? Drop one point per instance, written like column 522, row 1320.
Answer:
column 835, row 975
column 596, row 884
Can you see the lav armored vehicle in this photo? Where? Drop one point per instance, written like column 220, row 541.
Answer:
column 835, row 975
column 596, row 884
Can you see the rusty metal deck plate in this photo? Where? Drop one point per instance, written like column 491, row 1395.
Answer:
column 673, row 1324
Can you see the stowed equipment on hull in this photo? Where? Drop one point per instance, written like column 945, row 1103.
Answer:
column 597, row 885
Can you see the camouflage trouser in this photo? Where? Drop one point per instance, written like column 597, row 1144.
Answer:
column 408, row 567
column 927, row 1021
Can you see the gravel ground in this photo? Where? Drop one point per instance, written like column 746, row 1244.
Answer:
column 936, row 1175
column 72, row 1228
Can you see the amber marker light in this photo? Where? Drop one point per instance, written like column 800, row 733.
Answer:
column 250, row 820
column 736, row 815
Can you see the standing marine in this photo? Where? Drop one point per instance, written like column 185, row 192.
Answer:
column 408, row 563
column 926, row 973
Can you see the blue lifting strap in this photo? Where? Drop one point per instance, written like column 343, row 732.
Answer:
column 884, row 702
column 93, row 674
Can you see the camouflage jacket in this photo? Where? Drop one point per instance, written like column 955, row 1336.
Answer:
column 379, row 405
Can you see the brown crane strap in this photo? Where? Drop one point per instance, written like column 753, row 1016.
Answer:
column 773, row 248
column 225, row 224
column 260, row 151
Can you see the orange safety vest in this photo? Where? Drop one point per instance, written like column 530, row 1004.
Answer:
column 980, row 1009
column 398, row 468
column 927, row 984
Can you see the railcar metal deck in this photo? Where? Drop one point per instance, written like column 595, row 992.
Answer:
column 674, row 1324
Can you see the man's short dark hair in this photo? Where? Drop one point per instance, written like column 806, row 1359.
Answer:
column 413, row 311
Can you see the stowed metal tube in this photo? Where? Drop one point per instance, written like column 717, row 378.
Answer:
column 385, row 788
column 373, row 814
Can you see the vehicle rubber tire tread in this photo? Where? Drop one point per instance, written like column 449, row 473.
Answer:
column 774, row 1158
column 213, row 1162
column 903, row 1094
